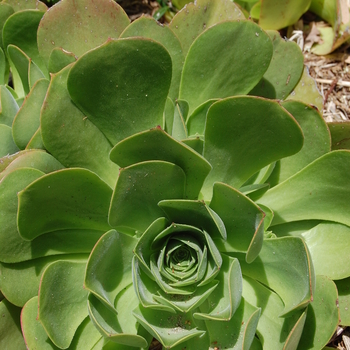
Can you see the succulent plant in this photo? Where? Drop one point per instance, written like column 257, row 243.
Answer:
column 170, row 182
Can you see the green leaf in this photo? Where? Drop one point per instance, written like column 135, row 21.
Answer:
column 44, row 204
column 322, row 316
column 139, row 188
column 79, row 26
column 7, row 145
column 64, row 126
column 280, row 79
column 180, row 115
column 343, row 287
column 28, row 5
column 118, row 102
column 195, row 213
column 222, row 303
column 36, row 337
column 312, row 193
column 192, row 20
column 120, row 329
column 10, row 328
column 284, row 265
column 273, row 331
column 59, row 59
column 27, row 120
column 239, row 332
column 4, row 67
column 62, row 301
column 306, row 91
column 158, row 145
column 20, row 282
column 266, row 130
column 209, row 71
column 242, row 218
column 277, row 14
column 5, row 12
column 327, row 243
column 149, row 28
column 340, row 135
column 102, row 278
column 8, row 107
column 20, row 30
column 168, row 328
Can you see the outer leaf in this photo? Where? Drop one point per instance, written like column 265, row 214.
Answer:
column 149, row 28
column 10, row 329
column 102, row 278
column 302, row 197
column 5, row 12
column 322, row 316
column 340, row 135
column 216, row 65
column 274, row 332
column 276, row 14
column 59, row 59
column 7, row 145
column 139, row 189
column 28, row 4
column 158, row 145
column 281, row 257
column 118, row 102
column 62, row 301
column 168, row 328
column 122, row 329
column 8, row 106
column 27, row 120
column 343, row 287
column 279, row 79
column 87, row 24
column 21, row 30
column 193, row 19
column 64, row 126
column 44, row 204
column 327, row 243
column 243, row 220
column 265, row 129
column 36, row 337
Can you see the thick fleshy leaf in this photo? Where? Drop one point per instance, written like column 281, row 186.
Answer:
column 312, row 192
column 21, row 30
column 340, row 135
column 266, row 130
column 316, row 139
column 327, row 243
column 36, row 337
column 20, row 282
column 27, row 120
column 4, row 69
column 306, row 91
column 322, row 316
column 6, row 11
column 118, row 102
column 216, row 64
column 102, row 278
column 294, row 228
column 242, row 218
column 36, row 159
column 195, row 213
column 168, row 328
column 62, row 301
column 192, row 20
column 60, row 58
column 237, row 333
column 120, row 329
column 273, row 265
column 43, row 205
column 10, row 328
column 7, row 145
column 273, row 331
column 343, row 287
column 277, row 14
column 80, row 25
column 8, row 106
column 158, row 145
column 139, row 188
column 28, row 5
column 64, row 126
column 222, row 303
column 279, row 80
column 179, row 130
column 149, row 28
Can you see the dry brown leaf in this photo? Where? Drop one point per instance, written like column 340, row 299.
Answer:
column 314, row 36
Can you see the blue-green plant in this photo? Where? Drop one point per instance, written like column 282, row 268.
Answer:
column 171, row 182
